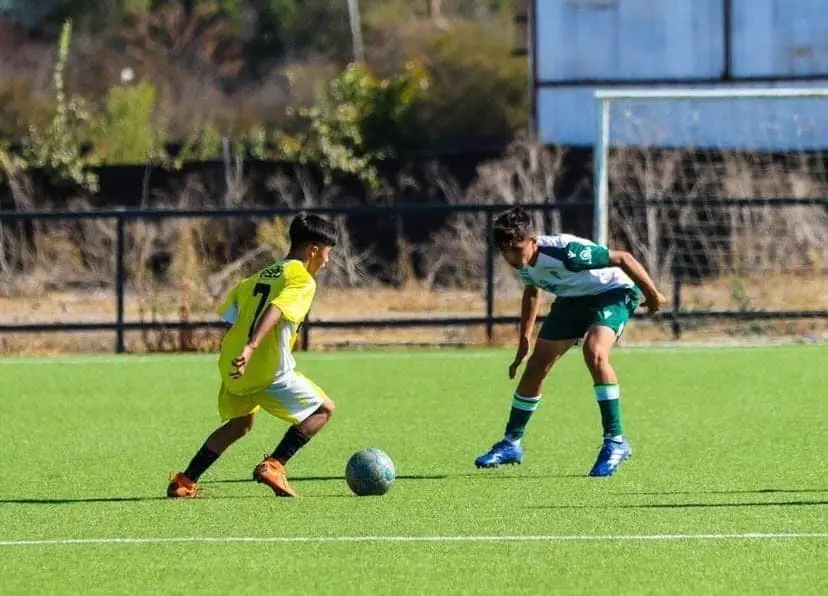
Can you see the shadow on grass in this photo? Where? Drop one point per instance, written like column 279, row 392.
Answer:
column 268, row 496
column 300, row 479
column 494, row 475
column 80, row 500
column 486, row 475
column 481, row 475
column 758, row 491
column 688, row 505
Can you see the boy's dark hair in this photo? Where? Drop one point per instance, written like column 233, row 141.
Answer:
column 512, row 226
column 307, row 228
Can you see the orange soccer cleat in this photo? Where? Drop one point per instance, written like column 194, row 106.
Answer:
column 272, row 473
column 181, row 487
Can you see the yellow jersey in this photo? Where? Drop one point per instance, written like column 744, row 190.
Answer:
column 288, row 286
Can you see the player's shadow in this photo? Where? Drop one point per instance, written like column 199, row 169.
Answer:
column 300, row 479
column 758, row 491
column 81, row 500
column 689, row 505
column 725, row 505
column 488, row 475
column 480, row 475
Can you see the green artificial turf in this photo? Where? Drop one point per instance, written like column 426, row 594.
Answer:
column 727, row 442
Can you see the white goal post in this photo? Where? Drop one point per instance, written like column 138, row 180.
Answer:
column 686, row 175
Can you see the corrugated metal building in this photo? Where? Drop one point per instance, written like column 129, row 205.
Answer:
column 585, row 44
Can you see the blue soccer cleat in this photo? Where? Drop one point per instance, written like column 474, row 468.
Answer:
column 502, row 453
column 610, row 457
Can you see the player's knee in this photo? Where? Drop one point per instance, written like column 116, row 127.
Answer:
column 241, row 426
column 327, row 408
column 595, row 357
column 538, row 367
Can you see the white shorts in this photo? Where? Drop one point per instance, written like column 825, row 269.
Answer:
column 292, row 397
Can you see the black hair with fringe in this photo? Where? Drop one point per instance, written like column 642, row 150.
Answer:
column 307, row 228
column 513, row 226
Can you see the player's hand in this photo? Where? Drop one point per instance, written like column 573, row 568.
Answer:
column 655, row 302
column 240, row 362
column 522, row 351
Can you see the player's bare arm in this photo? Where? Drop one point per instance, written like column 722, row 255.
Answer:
column 654, row 300
column 530, row 304
column 266, row 325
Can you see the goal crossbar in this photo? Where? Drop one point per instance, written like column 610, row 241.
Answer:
column 745, row 92
column 604, row 99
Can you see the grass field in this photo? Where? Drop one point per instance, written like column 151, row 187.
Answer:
column 726, row 493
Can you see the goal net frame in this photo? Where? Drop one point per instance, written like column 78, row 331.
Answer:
column 606, row 97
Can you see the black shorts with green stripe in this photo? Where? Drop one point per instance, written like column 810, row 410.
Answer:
column 572, row 316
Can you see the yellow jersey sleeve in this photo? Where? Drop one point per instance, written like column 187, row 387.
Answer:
column 229, row 310
column 295, row 298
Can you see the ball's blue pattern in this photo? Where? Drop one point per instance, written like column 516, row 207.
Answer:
column 370, row 472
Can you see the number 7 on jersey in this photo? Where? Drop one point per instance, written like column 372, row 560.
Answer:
column 263, row 291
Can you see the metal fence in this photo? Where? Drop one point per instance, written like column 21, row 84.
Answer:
column 675, row 316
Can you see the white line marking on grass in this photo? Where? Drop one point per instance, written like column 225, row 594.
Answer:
column 549, row 538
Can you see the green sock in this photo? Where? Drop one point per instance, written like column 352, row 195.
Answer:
column 610, row 406
column 522, row 410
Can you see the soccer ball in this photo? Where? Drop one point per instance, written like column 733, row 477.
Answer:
column 370, row 472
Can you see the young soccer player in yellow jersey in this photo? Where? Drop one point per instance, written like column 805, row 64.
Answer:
column 256, row 365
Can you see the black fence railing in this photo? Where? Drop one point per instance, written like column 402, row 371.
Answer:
column 675, row 316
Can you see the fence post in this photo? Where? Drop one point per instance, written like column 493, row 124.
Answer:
column 120, row 233
column 676, row 323
column 489, row 276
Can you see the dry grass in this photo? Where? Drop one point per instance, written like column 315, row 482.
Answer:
column 756, row 258
column 679, row 229
column 641, row 332
column 332, row 304
column 776, row 292
column 771, row 292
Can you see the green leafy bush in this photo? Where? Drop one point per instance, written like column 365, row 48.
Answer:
column 126, row 133
column 359, row 119
column 57, row 149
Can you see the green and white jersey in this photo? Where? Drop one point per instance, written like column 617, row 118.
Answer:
column 569, row 266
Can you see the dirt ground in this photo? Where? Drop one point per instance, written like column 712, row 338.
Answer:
column 332, row 304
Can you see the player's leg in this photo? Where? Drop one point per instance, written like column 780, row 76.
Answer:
column 560, row 331
column 546, row 354
column 314, row 423
column 611, row 313
column 298, row 400
column 597, row 347
column 239, row 413
column 298, row 435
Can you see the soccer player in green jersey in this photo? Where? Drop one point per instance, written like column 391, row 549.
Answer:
column 597, row 290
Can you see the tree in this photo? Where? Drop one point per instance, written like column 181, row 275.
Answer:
column 46, row 17
column 197, row 40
